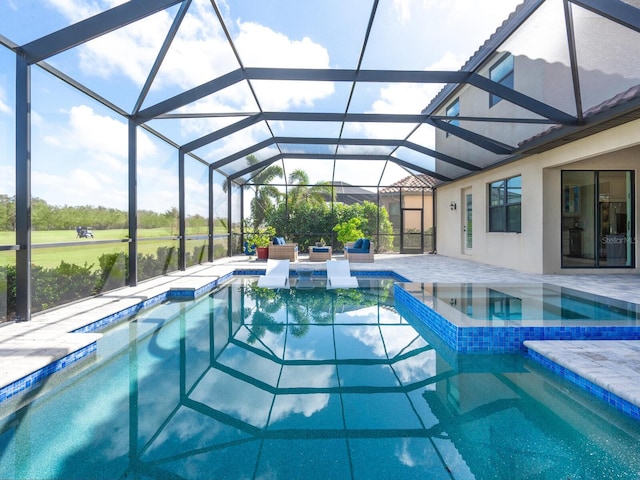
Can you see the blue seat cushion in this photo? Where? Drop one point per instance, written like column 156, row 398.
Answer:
column 366, row 244
column 320, row 249
column 358, row 243
column 278, row 241
column 357, row 250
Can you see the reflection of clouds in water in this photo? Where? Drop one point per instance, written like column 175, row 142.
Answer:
column 183, row 428
column 372, row 314
column 227, row 394
column 412, row 452
column 396, row 339
column 255, row 366
column 414, row 369
column 369, row 336
column 251, row 404
column 306, row 404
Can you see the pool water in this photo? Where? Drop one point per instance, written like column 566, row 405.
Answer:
column 250, row 383
column 530, row 304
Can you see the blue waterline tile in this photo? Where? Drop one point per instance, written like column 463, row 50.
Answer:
column 502, row 339
column 34, row 379
column 610, row 398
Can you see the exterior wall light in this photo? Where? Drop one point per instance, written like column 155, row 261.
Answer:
column 452, row 205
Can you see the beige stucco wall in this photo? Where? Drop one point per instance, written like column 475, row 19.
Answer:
column 538, row 248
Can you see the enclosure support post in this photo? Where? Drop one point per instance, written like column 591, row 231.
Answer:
column 211, row 214
column 133, row 205
column 23, row 189
column 182, row 250
column 434, row 206
column 229, row 219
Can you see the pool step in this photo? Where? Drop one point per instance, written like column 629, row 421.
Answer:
column 606, row 368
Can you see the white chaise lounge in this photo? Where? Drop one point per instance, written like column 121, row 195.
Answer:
column 276, row 275
column 339, row 275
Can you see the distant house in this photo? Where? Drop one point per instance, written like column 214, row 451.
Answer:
column 349, row 195
column 409, row 203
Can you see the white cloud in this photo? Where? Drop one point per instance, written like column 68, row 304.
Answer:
column 78, row 187
column 200, row 45
column 259, row 46
column 7, row 180
column 403, row 9
column 85, row 161
column 4, row 108
column 102, row 137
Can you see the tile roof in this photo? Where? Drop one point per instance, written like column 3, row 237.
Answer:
column 411, row 183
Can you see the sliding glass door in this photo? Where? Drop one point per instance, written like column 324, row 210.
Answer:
column 597, row 219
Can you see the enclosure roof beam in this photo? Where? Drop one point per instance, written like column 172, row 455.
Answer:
column 223, row 132
column 378, row 142
column 481, row 141
column 615, row 10
column 257, row 166
column 243, row 153
column 330, row 156
column 189, row 96
column 344, row 141
column 386, row 76
column 91, row 28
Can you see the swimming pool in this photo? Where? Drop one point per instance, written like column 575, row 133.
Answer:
column 479, row 317
column 255, row 383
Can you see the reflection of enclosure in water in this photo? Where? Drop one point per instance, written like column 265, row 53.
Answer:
column 272, row 309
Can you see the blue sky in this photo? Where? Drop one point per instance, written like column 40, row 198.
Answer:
column 74, row 138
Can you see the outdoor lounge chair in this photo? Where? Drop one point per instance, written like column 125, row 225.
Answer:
column 282, row 250
column 339, row 275
column 276, row 275
column 360, row 251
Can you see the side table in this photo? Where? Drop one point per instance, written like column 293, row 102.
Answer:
column 319, row 254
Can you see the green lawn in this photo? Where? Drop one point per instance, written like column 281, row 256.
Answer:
column 85, row 250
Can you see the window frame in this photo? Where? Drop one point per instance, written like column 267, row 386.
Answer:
column 500, row 212
column 506, row 79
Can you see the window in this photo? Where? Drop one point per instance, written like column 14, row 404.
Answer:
column 501, row 72
column 453, row 110
column 505, row 208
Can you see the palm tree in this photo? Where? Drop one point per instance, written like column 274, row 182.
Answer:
column 300, row 191
column 264, row 194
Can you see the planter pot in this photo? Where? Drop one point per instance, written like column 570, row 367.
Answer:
column 263, row 253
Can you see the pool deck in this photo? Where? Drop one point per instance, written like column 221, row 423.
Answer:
column 613, row 365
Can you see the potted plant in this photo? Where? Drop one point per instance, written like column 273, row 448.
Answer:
column 261, row 239
column 321, row 243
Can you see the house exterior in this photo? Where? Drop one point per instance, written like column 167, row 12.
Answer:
column 549, row 196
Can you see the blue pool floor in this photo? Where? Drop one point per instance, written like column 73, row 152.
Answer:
column 29, row 347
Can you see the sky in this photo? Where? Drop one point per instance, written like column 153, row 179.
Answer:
column 79, row 147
